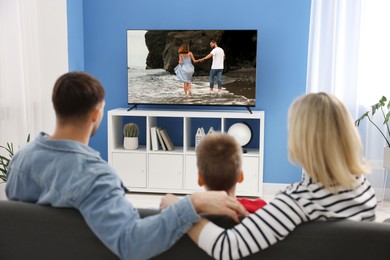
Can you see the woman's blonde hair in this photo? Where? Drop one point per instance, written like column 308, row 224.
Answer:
column 324, row 141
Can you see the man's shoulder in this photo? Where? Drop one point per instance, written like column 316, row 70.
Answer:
column 217, row 50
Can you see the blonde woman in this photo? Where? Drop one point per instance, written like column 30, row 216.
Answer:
column 324, row 142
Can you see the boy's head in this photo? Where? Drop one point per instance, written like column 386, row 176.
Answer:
column 219, row 160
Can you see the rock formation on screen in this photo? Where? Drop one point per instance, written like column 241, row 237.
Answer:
column 239, row 46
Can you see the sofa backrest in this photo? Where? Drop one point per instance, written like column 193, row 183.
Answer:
column 30, row 231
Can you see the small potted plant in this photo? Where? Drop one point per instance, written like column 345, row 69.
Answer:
column 384, row 107
column 130, row 140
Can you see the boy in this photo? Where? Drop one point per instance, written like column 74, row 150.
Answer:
column 219, row 161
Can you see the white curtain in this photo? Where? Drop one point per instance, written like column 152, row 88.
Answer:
column 33, row 53
column 349, row 56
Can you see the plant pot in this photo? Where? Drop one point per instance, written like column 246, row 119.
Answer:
column 386, row 157
column 130, row 143
column 2, row 191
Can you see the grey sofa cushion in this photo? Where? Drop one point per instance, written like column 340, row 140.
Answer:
column 30, row 231
column 318, row 240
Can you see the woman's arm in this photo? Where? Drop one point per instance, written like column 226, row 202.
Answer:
column 194, row 232
column 192, row 57
column 256, row 232
column 180, row 59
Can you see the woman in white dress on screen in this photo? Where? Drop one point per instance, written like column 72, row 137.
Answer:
column 184, row 70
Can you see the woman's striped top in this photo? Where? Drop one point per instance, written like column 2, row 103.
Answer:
column 301, row 202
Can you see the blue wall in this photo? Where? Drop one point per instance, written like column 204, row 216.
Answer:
column 282, row 57
column 75, row 34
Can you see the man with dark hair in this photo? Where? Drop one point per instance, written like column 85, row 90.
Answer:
column 216, row 70
column 61, row 170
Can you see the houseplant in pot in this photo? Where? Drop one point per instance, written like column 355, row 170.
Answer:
column 4, row 161
column 130, row 133
column 384, row 107
column 5, row 158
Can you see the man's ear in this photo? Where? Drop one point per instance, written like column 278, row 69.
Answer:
column 200, row 179
column 95, row 114
column 240, row 177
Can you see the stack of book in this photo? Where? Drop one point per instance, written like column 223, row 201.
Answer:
column 160, row 139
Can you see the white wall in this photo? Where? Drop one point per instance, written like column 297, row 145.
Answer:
column 53, row 44
column 33, row 53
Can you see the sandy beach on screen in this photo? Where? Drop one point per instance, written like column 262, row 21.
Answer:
column 245, row 83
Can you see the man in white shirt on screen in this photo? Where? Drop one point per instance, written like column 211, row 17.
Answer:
column 218, row 56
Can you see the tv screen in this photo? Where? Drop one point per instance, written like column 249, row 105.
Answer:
column 157, row 74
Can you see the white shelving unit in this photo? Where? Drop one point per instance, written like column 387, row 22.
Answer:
column 145, row 170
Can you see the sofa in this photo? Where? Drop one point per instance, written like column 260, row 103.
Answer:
column 30, row 231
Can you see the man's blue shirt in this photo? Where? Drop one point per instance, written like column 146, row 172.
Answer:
column 63, row 173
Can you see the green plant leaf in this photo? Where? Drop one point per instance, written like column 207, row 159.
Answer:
column 357, row 122
column 383, row 100
column 387, row 116
column 4, row 161
column 374, row 108
column 10, row 148
column 382, row 106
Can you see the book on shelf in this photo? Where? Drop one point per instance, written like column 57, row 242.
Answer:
column 160, row 139
column 153, row 137
column 167, row 140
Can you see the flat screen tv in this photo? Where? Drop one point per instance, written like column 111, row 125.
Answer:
column 152, row 56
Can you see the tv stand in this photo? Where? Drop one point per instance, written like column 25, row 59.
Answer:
column 249, row 109
column 133, row 107
column 162, row 171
